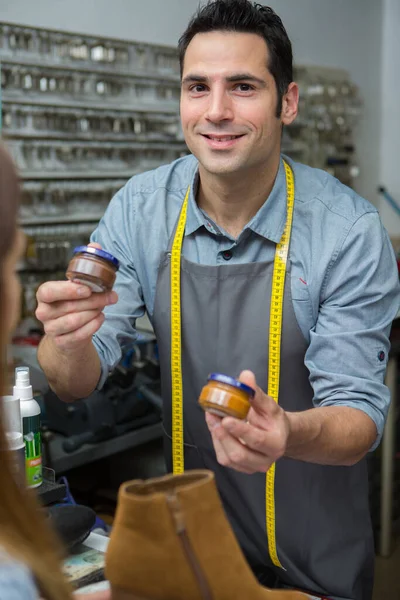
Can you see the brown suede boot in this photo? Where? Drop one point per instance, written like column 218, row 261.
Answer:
column 172, row 541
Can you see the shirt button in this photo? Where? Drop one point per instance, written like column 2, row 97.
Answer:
column 227, row 255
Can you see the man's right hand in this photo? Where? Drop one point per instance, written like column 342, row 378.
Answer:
column 70, row 312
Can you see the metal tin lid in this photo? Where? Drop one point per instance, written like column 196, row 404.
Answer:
column 97, row 252
column 231, row 381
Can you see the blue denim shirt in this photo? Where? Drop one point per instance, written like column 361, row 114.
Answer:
column 344, row 279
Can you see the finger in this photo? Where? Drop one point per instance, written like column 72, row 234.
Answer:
column 265, row 435
column 261, row 403
column 238, row 456
column 46, row 312
column 248, row 378
column 70, row 323
column 255, row 438
column 214, row 422
column 231, row 452
column 95, row 245
column 53, row 291
column 223, row 458
column 71, row 340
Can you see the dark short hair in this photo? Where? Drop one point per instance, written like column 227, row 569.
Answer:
column 246, row 17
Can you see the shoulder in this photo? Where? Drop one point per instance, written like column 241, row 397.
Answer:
column 16, row 580
column 171, row 178
column 329, row 219
column 150, row 202
column 152, row 195
column 143, row 213
column 317, row 190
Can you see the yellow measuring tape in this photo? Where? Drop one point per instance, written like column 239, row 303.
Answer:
column 274, row 353
column 275, row 329
column 176, row 344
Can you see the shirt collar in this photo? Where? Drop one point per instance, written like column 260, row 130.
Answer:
column 269, row 221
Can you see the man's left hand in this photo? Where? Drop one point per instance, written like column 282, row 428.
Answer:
column 253, row 445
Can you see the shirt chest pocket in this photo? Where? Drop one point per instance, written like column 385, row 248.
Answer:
column 305, row 312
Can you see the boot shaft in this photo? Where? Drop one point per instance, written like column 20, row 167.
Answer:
column 149, row 551
column 172, row 541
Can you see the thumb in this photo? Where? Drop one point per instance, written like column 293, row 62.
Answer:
column 261, row 403
column 95, row 245
column 248, row 378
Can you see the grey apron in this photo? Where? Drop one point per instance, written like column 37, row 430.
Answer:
column 323, row 530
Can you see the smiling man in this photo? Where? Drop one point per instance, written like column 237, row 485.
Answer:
column 232, row 120
column 231, row 202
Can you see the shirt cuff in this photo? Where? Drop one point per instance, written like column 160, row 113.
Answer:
column 369, row 410
column 104, row 366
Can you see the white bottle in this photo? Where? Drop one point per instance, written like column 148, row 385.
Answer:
column 30, row 416
column 12, row 423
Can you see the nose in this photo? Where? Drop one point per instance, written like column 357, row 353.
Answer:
column 219, row 107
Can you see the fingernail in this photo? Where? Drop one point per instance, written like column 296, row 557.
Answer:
column 112, row 298
column 83, row 291
column 212, row 421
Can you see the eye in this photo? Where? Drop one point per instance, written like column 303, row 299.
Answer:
column 244, row 87
column 197, row 88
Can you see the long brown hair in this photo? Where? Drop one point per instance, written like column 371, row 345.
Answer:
column 23, row 531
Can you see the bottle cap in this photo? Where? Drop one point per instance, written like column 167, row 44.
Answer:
column 97, row 252
column 22, row 388
column 231, row 381
column 22, row 376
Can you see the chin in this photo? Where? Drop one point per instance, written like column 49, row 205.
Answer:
column 217, row 164
column 222, row 168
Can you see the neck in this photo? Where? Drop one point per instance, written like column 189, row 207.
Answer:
column 233, row 201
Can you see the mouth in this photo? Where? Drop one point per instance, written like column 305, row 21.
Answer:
column 221, row 141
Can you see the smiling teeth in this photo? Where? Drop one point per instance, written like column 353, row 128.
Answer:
column 223, row 139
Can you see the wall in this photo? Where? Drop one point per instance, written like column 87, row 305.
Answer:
column 155, row 21
column 339, row 33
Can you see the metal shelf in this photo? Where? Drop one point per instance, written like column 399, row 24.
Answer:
column 90, row 137
column 88, row 453
column 53, row 175
column 155, row 106
column 59, row 219
column 137, row 74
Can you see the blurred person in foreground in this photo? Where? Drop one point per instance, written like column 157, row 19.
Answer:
column 30, row 566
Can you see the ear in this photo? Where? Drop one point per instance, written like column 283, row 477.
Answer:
column 290, row 102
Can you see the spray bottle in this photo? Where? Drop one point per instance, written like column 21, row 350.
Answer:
column 30, row 415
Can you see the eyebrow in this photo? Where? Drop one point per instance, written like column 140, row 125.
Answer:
column 193, row 78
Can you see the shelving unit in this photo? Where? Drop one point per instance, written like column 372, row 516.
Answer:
column 82, row 114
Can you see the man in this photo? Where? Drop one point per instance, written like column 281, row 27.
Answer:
column 340, row 297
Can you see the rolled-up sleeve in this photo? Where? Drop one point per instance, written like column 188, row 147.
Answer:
column 349, row 345
column 114, row 233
